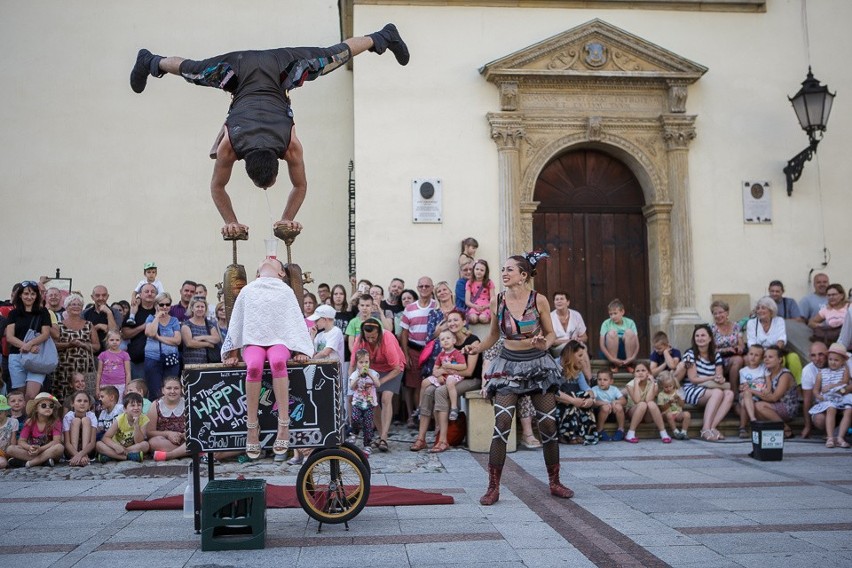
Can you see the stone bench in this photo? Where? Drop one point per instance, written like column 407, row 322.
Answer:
column 480, row 424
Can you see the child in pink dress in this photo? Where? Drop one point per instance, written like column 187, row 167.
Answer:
column 477, row 295
column 113, row 365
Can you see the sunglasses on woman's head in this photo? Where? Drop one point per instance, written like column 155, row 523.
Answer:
column 29, row 283
column 370, row 328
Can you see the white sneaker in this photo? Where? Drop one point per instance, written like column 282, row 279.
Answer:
column 368, row 451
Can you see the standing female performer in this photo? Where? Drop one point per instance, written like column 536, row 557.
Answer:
column 523, row 367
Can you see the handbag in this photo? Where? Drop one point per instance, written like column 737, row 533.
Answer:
column 168, row 359
column 47, row 358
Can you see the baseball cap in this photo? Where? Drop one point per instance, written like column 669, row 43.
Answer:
column 4, row 403
column 323, row 311
column 149, row 265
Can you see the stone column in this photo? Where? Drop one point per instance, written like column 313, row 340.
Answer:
column 658, row 217
column 507, row 132
column 678, row 132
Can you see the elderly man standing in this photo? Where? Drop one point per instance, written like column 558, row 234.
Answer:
column 101, row 316
column 811, row 304
column 133, row 329
column 414, row 337
column 53, row 302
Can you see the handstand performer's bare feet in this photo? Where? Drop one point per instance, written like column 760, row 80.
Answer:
column 235, row 231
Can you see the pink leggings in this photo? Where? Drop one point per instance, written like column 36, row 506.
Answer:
column 255, row 355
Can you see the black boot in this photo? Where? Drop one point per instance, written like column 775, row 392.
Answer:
column 146, row 64
column 388, row 38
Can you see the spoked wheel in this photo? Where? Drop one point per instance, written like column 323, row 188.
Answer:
column 333, row 486
column 354, row 449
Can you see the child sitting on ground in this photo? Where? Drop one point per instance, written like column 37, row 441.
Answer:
column 141, row 387
column 670, row 401
column 79, row 427
column 18, row 405
column 8, row 430
column 752, row 378
column 113, row 365
column 664, row 357
column 110, row 409
column 41, row 439
column 125, row 438
column 608, row 400
column 619, row 340
column 449, row 359
column 166, row 429
column 830, row 392
column 362, row 382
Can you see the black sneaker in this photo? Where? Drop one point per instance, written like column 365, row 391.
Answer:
column 141, row 70
column 13, row 463
column 388, row 38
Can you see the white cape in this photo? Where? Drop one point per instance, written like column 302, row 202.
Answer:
column 266, row 313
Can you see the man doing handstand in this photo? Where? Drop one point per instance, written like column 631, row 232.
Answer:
column 259, row 128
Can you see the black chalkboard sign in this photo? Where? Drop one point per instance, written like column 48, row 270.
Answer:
column 216, row 398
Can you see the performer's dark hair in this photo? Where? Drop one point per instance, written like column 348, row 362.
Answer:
column 262, row 167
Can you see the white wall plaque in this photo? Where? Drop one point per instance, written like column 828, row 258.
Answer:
column 426, row 200
column 757, row 203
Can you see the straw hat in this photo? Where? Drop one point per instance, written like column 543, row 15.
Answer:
column 839, row 349
column 42, row 397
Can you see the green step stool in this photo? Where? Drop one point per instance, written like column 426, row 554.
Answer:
column 233, row 515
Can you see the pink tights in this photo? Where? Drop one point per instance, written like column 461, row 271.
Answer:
column 255, row 355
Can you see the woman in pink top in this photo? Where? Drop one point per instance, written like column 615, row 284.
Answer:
column 386, row 358
column 828, row 321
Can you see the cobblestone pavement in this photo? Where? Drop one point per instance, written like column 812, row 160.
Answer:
column 689, row 504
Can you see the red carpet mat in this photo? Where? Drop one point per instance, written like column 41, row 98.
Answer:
column 284, row 497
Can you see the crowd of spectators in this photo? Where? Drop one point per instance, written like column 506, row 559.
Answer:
column 411, row 338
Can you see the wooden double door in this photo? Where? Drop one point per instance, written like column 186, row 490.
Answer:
column 590, row 221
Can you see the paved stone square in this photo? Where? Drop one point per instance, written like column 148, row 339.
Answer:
column 688, row 504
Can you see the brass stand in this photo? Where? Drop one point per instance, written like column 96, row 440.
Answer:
column 234, row 278
column 297, row 279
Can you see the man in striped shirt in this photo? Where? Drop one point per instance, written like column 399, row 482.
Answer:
column 413, row 339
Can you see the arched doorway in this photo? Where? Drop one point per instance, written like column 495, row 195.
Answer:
column 589, row 219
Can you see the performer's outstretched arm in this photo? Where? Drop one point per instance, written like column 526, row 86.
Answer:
column 222, row 167
column 296, row 167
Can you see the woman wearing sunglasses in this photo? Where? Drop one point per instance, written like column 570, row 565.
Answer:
column 27, row 314
column 162, row 358
column 386, row 358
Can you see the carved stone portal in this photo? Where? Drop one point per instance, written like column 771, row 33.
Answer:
column 602, row 87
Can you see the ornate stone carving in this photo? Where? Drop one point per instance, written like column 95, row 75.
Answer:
column 595, row 128
column 507, row 135
column 677, row 97
column 626, row 62
column 564, row 59
column 596, row 54
column 678, row 137
column 597, row 85
column 649, row 143
column 509, row 96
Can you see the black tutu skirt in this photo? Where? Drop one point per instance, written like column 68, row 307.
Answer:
column 523, row 372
